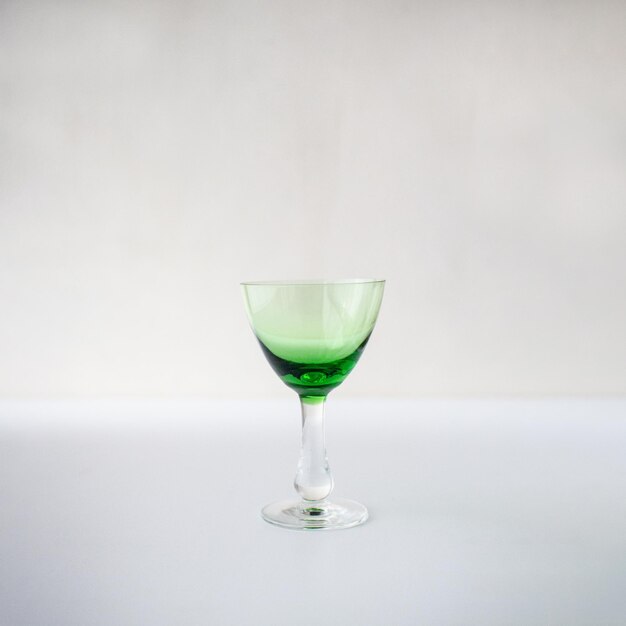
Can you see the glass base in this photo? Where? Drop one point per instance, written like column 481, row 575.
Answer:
column 326, row 515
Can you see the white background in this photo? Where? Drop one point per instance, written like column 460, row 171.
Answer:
column 154, row 154
column 483, row 512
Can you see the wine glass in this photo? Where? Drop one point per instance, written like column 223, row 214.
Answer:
column 313, row 333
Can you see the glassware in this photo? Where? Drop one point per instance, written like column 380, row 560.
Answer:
column 313, row 333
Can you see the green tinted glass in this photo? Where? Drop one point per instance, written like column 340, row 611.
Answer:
column 313, row 333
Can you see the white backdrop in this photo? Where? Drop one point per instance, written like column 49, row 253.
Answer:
column 154, row 154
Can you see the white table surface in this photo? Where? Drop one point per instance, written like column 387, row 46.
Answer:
column 146, row 513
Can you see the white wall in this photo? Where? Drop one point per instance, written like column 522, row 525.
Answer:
column 153, row 154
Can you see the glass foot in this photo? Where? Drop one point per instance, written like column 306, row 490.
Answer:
column 326, row 515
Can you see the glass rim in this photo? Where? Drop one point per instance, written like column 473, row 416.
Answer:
column 302, row 282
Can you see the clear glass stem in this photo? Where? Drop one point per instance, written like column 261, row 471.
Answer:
column 313, row 481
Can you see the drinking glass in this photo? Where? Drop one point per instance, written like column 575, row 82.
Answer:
column 313, row 333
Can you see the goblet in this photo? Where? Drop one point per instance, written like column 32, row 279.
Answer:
column 313, row 333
